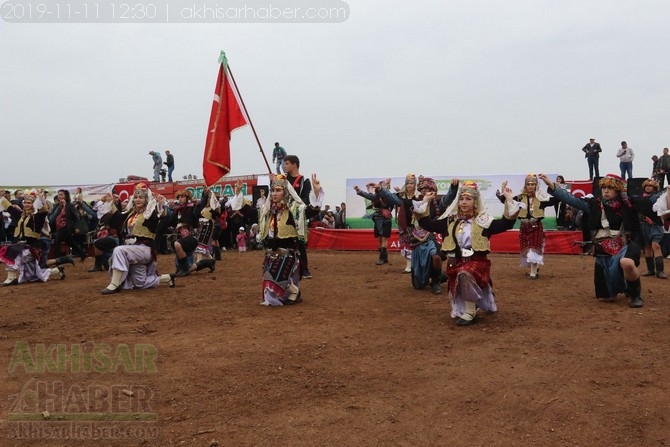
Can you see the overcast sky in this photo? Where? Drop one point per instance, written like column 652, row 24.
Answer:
column 474, row 87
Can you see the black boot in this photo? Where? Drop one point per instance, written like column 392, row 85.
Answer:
column 64, row 260
column 183, row 269
column 650, row 266
column 217, row 252
column 634, row 290
column 97, row 267
column 435, row 283
column 205, row 263
column 383, row 257
column 659, row 268
column 104, row 261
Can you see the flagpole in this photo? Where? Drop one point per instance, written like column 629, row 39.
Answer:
column 249, row 118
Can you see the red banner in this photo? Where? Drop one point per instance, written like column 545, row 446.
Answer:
column 556, row 242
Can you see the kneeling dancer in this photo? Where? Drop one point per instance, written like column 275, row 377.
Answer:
column 466, row 228
column 22, row 260
column 611, row 219
column 133, row 265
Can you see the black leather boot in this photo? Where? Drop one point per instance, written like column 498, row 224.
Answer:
column 383, row 257
column 217, row 253
column 104, row 262
column 183, row 269
column 634, row 290
column 650, row 266
column 659, row 268
column 205, row 263
column 435, row 283
column 97, row 266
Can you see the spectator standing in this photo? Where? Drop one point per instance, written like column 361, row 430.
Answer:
column 592, row 152
column 6, row 217
column 626, row 156
column 655, row 168
column 338, row 217
column 262, row 199
column 9, row 223
column 343, row 215
column 158, row 165
column 278, row 156
column 664, row 168
column 303, row 187
column 169, row 162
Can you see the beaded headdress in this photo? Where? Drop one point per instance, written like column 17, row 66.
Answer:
column 469, row 188
column 29, row 195
column 427, row 183
column 184, row 192
column 651, row 182
column 612, row 181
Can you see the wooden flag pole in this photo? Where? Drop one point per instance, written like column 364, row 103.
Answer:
column 250, row 123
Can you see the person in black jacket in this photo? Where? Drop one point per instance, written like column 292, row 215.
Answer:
column 303, row 187
column 613, row 223
column 592, row 152
column 65, row 220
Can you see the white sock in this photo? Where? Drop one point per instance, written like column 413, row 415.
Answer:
column 11, row 276
column 116, row 280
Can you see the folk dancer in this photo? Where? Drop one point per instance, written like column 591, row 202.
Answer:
column 380, row 202
column 466, row 228
column 283, row 223
column 22, row 259
column 407, row 194
column 426, row 257
column 612, row 221
column 185, row 219
column 651, row 228
column 133, row 264
column 108, row 231
column 531, row 231
column 209, row 211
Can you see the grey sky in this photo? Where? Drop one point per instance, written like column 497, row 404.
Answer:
column 479, row 87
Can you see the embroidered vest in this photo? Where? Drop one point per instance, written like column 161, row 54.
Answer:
column 139, row 229
column 538, row 212
column 479, row 241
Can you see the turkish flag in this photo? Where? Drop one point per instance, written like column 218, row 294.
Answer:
column 226, row 116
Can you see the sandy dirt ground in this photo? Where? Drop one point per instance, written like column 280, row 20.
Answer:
column 365, row 360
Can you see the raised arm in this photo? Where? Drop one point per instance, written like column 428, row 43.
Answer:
column 449, row 197
column 387, row 195
column 562, row 195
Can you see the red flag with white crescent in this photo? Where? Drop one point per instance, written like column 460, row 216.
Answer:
column 226, row 116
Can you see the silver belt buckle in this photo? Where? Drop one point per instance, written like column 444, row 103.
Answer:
column 467, row 252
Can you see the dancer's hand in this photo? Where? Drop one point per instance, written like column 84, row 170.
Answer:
column 546, row 179
column 316, row 184
column 430, row 195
